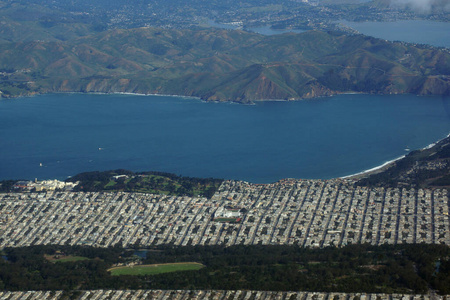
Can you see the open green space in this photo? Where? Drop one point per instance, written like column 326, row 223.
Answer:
column 155, row 269
column 64, row 258
column 146, row 182
column 412, row 269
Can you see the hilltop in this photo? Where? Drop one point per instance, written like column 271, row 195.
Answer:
column 222, row 65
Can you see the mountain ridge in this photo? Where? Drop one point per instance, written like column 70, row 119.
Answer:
column 223, row 65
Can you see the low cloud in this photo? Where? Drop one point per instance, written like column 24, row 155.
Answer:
column 423, row 6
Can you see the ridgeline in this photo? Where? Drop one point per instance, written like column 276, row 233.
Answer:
column 223, row 65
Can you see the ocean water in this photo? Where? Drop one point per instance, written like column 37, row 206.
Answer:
column 60, row 135
column 412, row 31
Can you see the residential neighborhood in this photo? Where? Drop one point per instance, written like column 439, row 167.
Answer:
column 309, row 213
column 211, row 294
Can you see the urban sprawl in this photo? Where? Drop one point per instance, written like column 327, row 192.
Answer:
column 309, row 213
column 213, row 295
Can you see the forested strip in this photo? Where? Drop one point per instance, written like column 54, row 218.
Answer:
column 356, row 268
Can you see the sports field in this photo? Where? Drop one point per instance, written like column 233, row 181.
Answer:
column 155, row 269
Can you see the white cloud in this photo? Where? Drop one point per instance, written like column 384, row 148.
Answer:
column 424, row 6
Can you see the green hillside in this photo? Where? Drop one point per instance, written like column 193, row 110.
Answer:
column 222, row 65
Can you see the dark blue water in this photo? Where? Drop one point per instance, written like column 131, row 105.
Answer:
column 320, row 138
column 412, row 31
column 141, row 253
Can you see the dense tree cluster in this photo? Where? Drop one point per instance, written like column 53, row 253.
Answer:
column 356, row 268
column 28, row 269
column 6, row 185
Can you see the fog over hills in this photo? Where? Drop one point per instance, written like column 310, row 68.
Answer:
column 423, row 6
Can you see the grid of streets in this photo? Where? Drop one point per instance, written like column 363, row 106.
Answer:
column 211, row 294
column 310, row 213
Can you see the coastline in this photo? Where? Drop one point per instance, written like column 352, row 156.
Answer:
column 95, row 93
column 383, row 167
column 374, row 170
column 127, row 94
column 249, row 102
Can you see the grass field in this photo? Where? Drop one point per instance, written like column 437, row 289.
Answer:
column 155, row 269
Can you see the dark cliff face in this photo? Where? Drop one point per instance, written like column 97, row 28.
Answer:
column 222, row 65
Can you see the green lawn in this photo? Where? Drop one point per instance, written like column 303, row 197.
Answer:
column 72, row 258
column 64, row 258
column 155, row 269
column 110, row 184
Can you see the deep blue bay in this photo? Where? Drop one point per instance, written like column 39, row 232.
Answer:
column 319, row 138
column 434, row 33
column 412, row 31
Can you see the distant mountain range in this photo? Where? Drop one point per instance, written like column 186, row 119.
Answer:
column 222, row 65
